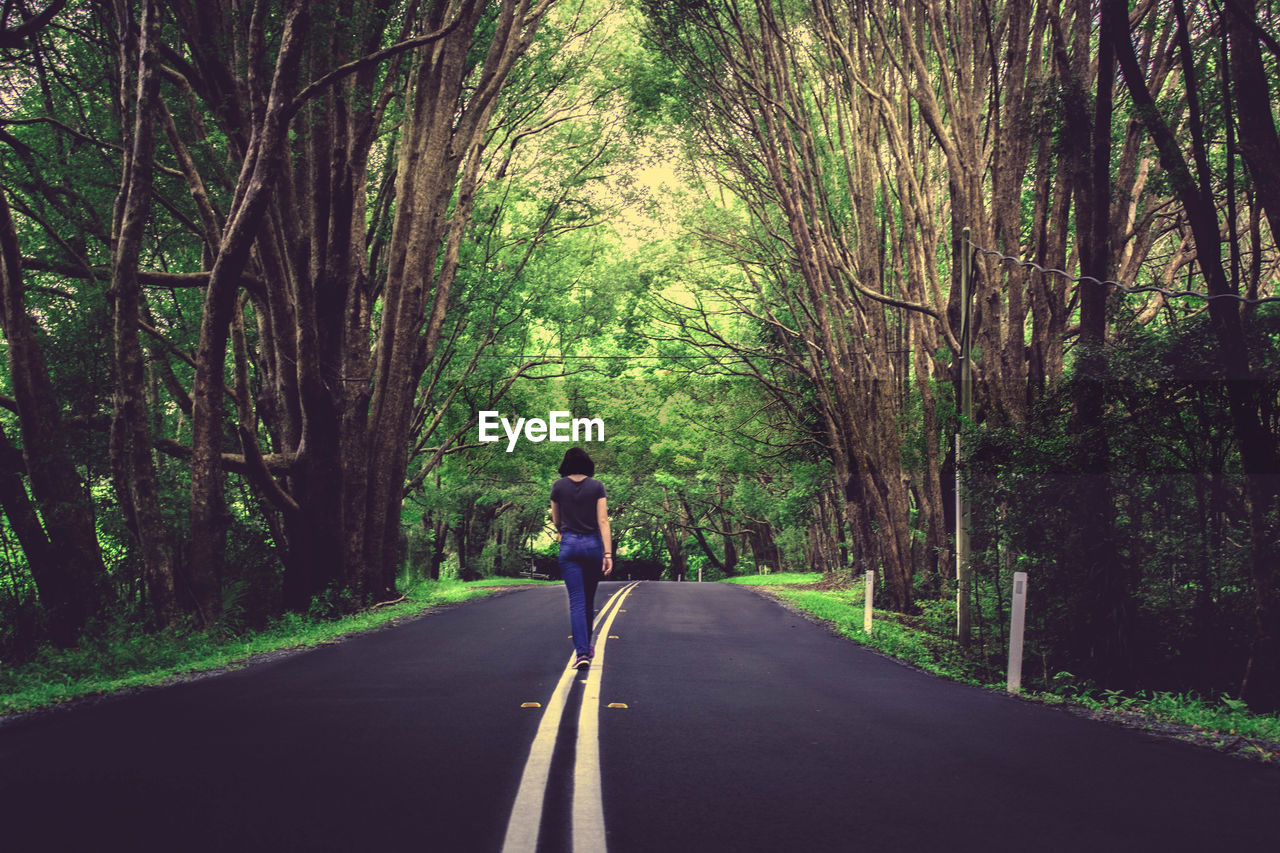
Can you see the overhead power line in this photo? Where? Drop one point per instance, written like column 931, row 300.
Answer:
column 553, row 358
column 1125, row 288
column 556, row 357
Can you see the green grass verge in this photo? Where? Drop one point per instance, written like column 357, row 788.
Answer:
column 776, row 579
column 844, row 608
column 1227, row 718
column 1218, row 722
column 117, row 663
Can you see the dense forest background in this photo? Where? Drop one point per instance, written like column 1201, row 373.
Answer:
column 265, row 261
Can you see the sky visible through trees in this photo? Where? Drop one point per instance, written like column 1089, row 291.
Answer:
column 266, row 263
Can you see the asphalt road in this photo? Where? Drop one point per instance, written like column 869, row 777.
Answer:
column 745, row 728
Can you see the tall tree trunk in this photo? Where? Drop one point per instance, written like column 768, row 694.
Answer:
column 730, row 554
column 1107, row 616
column 1260, row 147
column 438, row 527
column 701, row 537
column 1259, row 141
column 259, row 174
column 131, row 434
column 673, row 536
column 77, row 582
column 763, row 546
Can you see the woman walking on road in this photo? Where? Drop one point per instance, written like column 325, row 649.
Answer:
column 580, row 515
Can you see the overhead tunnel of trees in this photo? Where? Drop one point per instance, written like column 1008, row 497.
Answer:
column 265, row 262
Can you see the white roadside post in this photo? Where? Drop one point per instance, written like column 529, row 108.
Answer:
column 964, row 512
column 1016, row 629
column 870, row 596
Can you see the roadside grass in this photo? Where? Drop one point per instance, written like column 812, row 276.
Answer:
column 776, row 579
column 107, row 664
column 1227, row 719
column 1222, row 723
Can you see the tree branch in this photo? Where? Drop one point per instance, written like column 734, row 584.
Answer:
column 315, row 88
column 11, row 37
column 149, row 278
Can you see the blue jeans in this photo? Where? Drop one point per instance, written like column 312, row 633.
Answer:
column 581, row 561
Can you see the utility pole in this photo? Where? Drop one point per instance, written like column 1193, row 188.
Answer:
column 963, row 510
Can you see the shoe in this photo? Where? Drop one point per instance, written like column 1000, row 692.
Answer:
column 591, row 652
column 582, row 662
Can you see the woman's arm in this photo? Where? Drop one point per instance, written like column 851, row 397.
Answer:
column 602, row 521
column 555, row 518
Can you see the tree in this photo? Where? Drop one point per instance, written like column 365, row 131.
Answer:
column 1249, row 395
column 70, row 575
column 131, row 439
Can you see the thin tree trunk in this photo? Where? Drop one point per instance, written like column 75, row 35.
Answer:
column 25, row 521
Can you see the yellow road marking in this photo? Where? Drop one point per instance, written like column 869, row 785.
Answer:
column 526, row 812
column 588, row 801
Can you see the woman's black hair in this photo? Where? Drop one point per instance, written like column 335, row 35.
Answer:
column 576, row 461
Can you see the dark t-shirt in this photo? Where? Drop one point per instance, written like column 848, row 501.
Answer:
column 577, row 503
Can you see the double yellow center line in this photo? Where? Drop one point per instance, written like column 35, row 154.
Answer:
column 588, row 804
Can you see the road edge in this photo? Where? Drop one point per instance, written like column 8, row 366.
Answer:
column 247, row 662
column 1236, row 746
